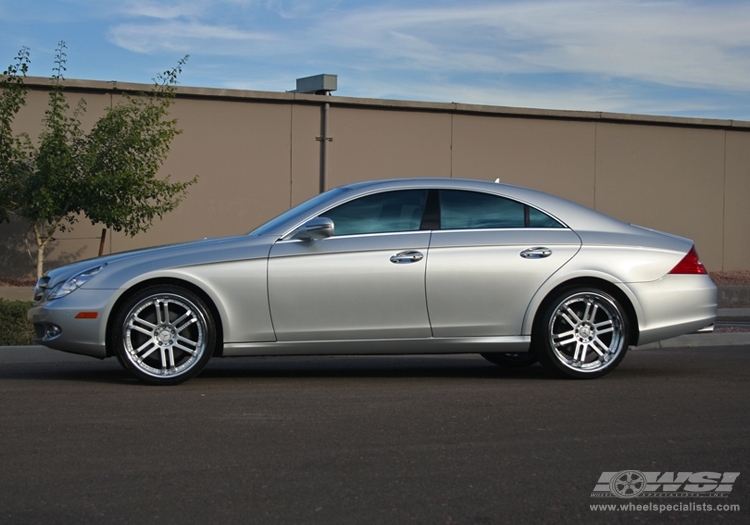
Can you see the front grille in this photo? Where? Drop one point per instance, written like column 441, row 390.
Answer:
column 40, row 287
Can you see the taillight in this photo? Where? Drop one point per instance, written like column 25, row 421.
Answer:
column 690, row 264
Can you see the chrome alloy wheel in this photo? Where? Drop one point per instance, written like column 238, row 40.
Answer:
column 586, row 332
column 164, row 335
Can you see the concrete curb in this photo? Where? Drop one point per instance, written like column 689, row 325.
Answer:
column 701, row 340
column 734, row 296
column 42, row 354
column 733, row 315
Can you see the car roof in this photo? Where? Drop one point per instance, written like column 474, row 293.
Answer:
column 573, row 215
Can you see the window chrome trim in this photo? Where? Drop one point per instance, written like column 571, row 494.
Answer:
column 358, row 235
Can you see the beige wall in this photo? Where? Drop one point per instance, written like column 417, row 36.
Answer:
column 256, row 155
column 669, row 179
column 736, row 231
column 549, row 155
column 380, row 144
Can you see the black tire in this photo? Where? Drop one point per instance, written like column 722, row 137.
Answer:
column 164, row 335
column 582, row 333
column 511, row 360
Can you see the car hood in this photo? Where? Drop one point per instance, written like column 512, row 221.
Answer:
column 169, row 256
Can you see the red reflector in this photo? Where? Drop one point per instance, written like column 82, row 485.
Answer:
column 87, row 315
column 690, row 264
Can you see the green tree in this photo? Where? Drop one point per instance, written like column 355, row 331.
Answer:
column 13, row 149
column 107, row 174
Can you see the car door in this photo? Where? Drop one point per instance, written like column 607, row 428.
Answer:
column 366, row 281
column 489, row 257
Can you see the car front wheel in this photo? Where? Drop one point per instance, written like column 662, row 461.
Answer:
column 582, row 333
column 164, row 335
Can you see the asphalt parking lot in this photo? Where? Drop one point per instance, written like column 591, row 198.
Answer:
column 432, row 439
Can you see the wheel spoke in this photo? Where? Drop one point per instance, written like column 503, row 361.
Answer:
column 587, row 312
column 585, row 348
column 190, row 351
column 604, row 348
column 141, row 330
column 143, row 322
column 577, row 352
column 558, row 344
column 143, row 347
column 166, row 312
column 157, row 309
column 181, row 328
column 190, row 342
column 567, row 316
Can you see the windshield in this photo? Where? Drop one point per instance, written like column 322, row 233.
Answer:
column 300, row 209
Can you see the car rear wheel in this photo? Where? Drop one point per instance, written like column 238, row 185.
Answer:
column 164, row 335
column 582, row 333
column 511, row 360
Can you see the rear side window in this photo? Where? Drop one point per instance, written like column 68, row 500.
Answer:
column 539, row 219
column 473, row 210
column 393, row 211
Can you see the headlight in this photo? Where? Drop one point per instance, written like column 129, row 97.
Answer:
column 63, row 289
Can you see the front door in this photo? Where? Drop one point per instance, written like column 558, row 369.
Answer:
column 367, row 281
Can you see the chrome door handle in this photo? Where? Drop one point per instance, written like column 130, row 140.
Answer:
column 536, row 253
column 406, row 257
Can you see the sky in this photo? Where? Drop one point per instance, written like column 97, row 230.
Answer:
column 686, row 58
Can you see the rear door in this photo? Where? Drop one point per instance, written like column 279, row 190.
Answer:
column 487, row 260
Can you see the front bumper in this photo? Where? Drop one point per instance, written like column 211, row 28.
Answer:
column 86, row 336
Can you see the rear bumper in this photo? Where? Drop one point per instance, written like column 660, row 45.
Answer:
column 674, row 305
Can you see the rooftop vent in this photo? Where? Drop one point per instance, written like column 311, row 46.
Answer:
column 317, row 84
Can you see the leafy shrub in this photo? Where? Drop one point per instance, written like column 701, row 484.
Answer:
column 14, row 328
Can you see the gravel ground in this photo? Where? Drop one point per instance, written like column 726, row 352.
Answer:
column 731, row 329
column 734, row 278
column 10, row 282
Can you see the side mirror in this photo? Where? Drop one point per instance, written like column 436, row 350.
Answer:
column 314, row 229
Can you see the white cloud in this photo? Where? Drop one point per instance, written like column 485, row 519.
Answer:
column 664, row 41
column 535, row 53
column 675, row 43
column 184, row 36
column 162, row 11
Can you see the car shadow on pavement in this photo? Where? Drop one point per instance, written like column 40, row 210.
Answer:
column 654, row 364
column 464, row 366
column 293, row 367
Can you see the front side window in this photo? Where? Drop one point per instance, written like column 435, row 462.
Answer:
column 393, row 211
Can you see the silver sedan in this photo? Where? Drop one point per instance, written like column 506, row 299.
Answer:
column 409, row 266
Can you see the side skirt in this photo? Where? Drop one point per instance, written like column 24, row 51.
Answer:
column 435, row 345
